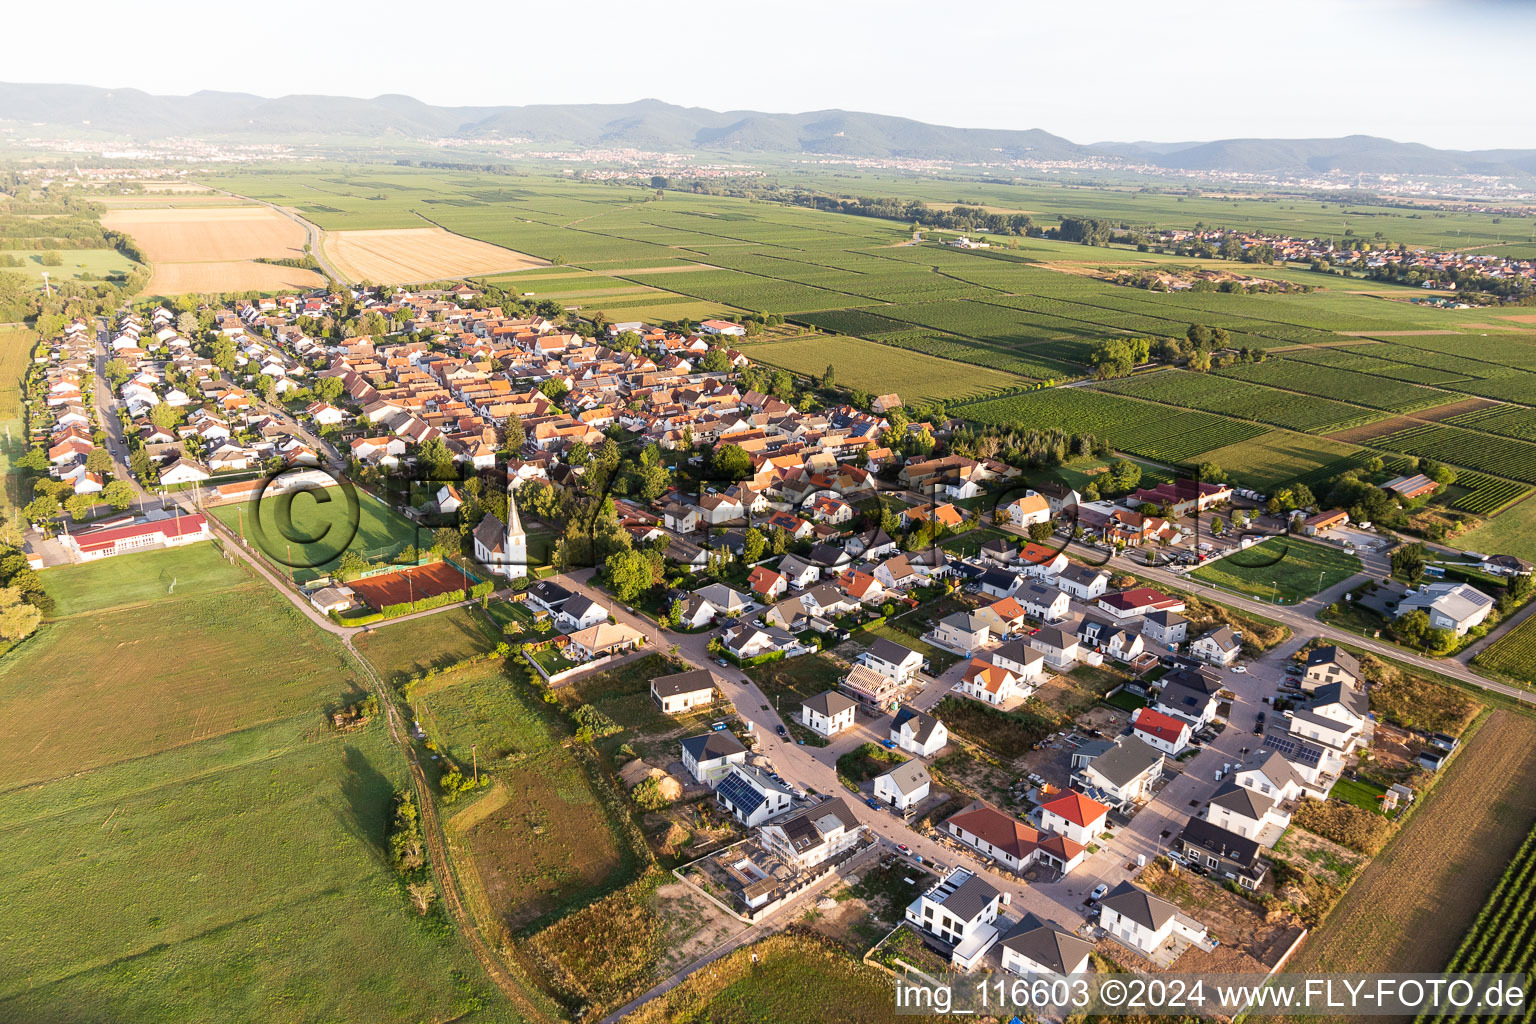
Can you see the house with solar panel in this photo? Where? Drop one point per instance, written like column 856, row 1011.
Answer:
column 960, row 911
column 751, row 796
column 814, row 836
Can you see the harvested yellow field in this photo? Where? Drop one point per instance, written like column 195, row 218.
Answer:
column 195, row 235
column 229, row 276
column 407, row 255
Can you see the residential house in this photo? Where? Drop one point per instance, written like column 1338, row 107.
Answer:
column 1247, row 812
column 766, row 584
column 1188, row 696
column 729, row 602
column 1030, row 509
column 697, row 612
column 1043, row 602
column 1083, row 582
column 960, row 910
column 1059, row 647
column 1331, row 664
column 1138, row 602
column 989, row 683
column 1012, row 843
column 964, row 632
column 995, row 582
column 750, row 795
column 814, row 836
column 828, row 713
column 602, row 640
column 897, row 573
column 1160, row 731
column 745, row 640
column 1080, row 818
column 893, row 660
column 1165, row 627
column 1335, row 717
column 681, row 518
column 904, row 786
column 1119, row 642
column 1222, row 853
column 865, row 684
column 546, row 594
column 1026, row 663
column 798, row 572
column 681, row 692
column 580, row 612
column 183, row 471
column 871, row 544
column 1273, row 777
column 709, row 757
column 1220, row 646
column 918, row 732
column 1033, row 946
column 1137, row 918
column 1457, row 607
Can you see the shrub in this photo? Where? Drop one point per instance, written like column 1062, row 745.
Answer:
column 1344, row 823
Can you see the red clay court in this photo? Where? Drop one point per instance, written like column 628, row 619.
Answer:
column 409, row 584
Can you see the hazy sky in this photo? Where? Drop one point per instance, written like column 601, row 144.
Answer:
column 1443, row 72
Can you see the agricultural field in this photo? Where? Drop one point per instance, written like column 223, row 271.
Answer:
column 1499, row 941
column 1512, row 531
column 1513, row 655
column 489, row 705
column 1285, row 570
column 1342, row 385
column 78, row 264
column 876, row 369
column 1502, row 456
column 323, row 527
column 196, row 249
column 1410, row 906
column 1278, row 456
column 15, row 355
column 174, row 801
column 1226, row 396
column 409, row 255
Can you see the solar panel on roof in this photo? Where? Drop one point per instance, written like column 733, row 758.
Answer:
column 741, row 795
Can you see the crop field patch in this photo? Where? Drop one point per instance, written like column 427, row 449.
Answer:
column 1502, row 456
column 1342, row 385
column 1277, row 457
column 208, row 235
column 1410, row 906
column 408, row 255
column 228, row 276
column 879, row 369
column 407, row 649
column 1230, row 397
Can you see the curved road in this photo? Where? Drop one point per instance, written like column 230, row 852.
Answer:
column 312, row 230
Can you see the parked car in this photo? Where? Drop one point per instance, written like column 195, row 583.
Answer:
column 1098, row 893
column 783, row 731
column 1239, row 669
column 888, row 744
column 1258, row 725
column 718, row 727
column 1176, row 857
column 722, row 663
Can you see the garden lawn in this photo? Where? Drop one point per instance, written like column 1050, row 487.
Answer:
column 1284, row 567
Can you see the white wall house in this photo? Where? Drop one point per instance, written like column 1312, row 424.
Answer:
column 828, row 713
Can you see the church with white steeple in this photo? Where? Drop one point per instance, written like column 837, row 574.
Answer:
column 503, row 547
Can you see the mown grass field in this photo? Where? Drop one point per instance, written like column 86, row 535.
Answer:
column 877, row 369
column 407, row 649
column 15, row 355
column 1285, row 569
column 184, row 836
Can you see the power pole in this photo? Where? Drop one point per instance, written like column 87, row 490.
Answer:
column 474, row 754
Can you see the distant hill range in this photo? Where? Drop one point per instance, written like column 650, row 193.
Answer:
column 657, row 126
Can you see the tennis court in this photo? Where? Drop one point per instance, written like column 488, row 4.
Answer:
column 410, row 584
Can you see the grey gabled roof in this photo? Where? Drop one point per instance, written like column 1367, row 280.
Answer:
column 1046, row 944
column 922, row 724
column 1221, row 842
column 713, row 745
column 1139, row 905
column 829, row 703
column 890, row 651
column 1126, row 760
column 579, row 605
column 1340, row 693
column 970, row 898
column 684, row 682
column 1242, row 800
column 1335, row 655
column 909, row 776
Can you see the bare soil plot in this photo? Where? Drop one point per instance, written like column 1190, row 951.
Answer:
column 1410, row 906
column 404, row 255
column 1445, row 412
column 1381, row 428
column 205, row 235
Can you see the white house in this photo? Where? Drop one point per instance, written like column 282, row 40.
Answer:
column 1138, row 919
column 1273, row 777
column 893, row 660
column 1166, row 628
column 1247, row 813
column 1160, row 731
column 1078, row 817
column 960, row 910
column 1012, row 843
column 751, row 796
column 684, row 691
column 964, row 632
column 1082, row 582
column 183, row 471
column 1033, row 946
column 580, row 612
column 989, row 683
column 904, row 786
column 1059, row 647
column 1218, row 647
column 918, row 733
column 1335, row 717
column 1043, row 602
column 814, row 836
column 709, row 757
column 828, row 713
column 1028, row 510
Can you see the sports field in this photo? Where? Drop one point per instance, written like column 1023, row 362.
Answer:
column 407, row 255
column 410, row 584
column 184, row 838
column 305, row 532
column 1286, row 569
